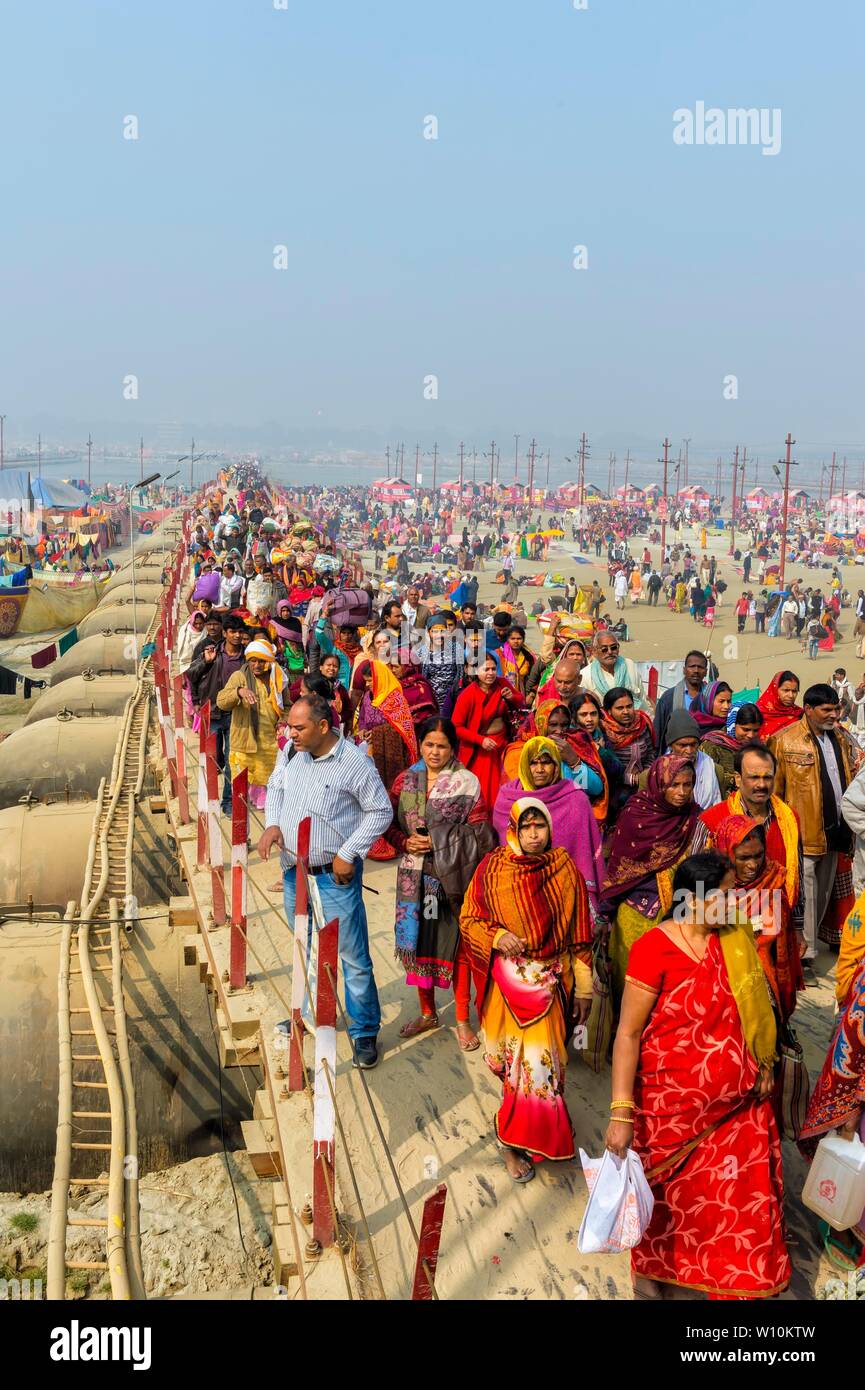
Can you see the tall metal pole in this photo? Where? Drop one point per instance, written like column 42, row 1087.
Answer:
column 531, row 476
column 492, row 466
column 786, row 510
column 627, row 469
column 2, row 422
column 832, row 479
column 547, row 484
column 191, row 467
column 733, row 513
column 462, row 455
column 664, row 517
column 581, row 476
column 435, row 466
column 89, row 460
column 686, row 442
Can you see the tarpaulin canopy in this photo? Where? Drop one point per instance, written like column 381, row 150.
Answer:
column 15, row 490
column 56, row 495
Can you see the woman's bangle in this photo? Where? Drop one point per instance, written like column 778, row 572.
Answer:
column 622, row 1119
column 622, row 1105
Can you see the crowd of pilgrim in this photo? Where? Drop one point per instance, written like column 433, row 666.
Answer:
column 562, row 846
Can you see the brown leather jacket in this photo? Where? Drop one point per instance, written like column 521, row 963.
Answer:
column 797, row 778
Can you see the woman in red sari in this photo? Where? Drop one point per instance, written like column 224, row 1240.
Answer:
column 778, row 704
column 482, row 718
column 764, row 906
column 692, row 1083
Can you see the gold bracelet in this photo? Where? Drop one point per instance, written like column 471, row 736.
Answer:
column 623, row 1105
column 622, row 1119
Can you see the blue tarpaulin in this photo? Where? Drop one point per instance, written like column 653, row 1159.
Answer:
column 15, row 490
column 52, row 493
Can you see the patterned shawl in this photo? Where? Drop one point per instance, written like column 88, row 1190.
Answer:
column 387, row 698
column 620, row 737
column 568, row 808
column 650, row 834
column 840, row 1089
column 454, row 796
column 541, row 898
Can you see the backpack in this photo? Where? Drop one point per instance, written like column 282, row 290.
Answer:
column 347, row 607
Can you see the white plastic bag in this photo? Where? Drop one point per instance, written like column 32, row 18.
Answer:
column 620, row 1204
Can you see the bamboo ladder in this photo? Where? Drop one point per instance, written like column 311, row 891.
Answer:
column 94, row 1060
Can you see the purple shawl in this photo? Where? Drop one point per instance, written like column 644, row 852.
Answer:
column 574, row 826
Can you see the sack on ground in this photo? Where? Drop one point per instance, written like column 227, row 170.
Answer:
column 620, row 1204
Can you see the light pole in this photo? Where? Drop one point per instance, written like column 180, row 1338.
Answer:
column 193, row 458
column 788, row 464
column 145, row 482
column 170, row 476
column 2, row 423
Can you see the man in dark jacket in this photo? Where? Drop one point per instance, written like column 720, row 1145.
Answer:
column 213, row 662
column 680, row 696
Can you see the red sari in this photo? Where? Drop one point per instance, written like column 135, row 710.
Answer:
column 775, row 715
column 474, row 711
column 718, row 1222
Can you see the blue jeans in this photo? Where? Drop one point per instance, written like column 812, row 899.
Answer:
column 346, row 904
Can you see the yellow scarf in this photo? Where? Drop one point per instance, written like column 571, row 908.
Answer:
column 852, row 950
column 531, row 748
column 751, row 993
column 789, row 834
column 384, row 682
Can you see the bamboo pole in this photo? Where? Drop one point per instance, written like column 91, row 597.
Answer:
column 56, row 1281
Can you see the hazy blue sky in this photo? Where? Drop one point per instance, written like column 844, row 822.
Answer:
column 409, row 257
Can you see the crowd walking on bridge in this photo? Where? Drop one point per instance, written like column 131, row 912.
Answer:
column 570, row 854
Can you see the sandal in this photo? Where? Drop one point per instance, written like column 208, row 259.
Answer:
column 519, row 1153
column 427, row 1023
column 470, row 1044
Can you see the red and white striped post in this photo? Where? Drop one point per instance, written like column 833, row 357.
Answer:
column 214, row 832
column 166, row 727
column 180, row 746
column 203, row 735
column 428, row 1245
column 239, row 864
column 323, row 1115
column 298, row 965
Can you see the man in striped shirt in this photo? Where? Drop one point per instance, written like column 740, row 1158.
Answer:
column 335, row 783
